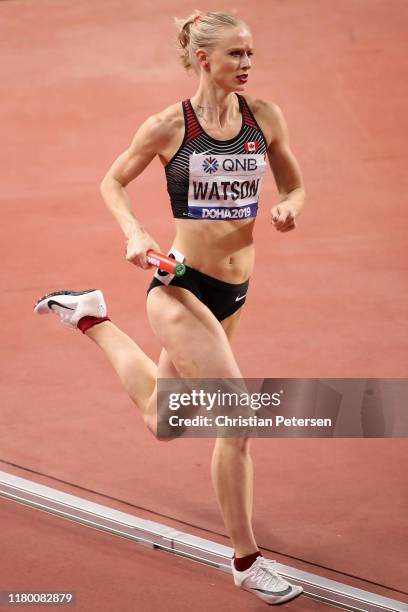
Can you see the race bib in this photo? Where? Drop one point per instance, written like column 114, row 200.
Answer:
column 224, row 186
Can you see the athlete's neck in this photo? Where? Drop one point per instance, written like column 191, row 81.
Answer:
column 215, row 106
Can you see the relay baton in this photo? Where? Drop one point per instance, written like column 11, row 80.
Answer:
column 167, row 264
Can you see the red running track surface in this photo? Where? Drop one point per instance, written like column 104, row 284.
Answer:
column 108, row 573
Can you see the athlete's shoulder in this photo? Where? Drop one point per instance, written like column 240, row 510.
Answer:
column 264, row 108
column 268, row 115
column 172, row 113
column 166, row 121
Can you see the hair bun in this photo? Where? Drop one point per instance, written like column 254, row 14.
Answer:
column 201, row 30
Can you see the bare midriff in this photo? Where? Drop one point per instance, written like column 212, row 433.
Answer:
column 222, row 249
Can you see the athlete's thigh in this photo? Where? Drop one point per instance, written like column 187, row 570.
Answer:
column 195, row 341
column 230, row 324
column 166, row 368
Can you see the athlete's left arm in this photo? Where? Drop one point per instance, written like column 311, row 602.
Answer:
column 285, row 169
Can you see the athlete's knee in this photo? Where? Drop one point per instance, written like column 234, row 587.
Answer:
column 156, row 421
column 161, row 438
column 239, row 443
column 156, row 430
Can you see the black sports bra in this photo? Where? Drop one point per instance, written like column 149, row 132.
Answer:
column 217, row 179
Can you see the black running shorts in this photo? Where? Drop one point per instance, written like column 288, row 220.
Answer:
column 223, row 299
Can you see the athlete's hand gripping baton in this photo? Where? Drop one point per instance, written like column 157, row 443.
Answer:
column 167, row 264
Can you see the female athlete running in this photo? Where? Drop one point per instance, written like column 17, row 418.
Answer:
column 213, row 148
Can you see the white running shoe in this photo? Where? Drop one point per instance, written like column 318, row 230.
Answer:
column 71, row 306
column 262, row 580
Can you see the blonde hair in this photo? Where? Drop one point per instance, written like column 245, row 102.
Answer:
column 202, row 30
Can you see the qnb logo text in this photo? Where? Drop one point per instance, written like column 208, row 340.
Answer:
column 230, row 164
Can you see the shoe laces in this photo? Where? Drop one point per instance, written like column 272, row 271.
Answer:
column 265, row 575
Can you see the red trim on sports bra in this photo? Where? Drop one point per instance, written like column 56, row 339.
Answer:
column 193, row 128
column 248, row 120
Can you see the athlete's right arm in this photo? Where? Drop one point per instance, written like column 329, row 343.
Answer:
column 146, row 144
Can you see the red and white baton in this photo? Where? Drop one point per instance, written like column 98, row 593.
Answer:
column 167, row 264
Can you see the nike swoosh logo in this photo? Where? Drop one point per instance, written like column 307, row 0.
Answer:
column 51, row 303
column 202, row 152
column 239, row 298
column 277, row 593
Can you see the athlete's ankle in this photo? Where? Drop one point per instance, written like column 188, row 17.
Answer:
column 243, row 563
column 87, row 323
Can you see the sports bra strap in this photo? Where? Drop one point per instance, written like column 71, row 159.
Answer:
column 249, row 119
column 193, row 128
